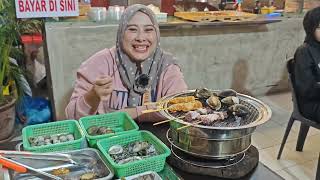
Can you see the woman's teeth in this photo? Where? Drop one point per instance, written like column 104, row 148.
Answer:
column 140, row 48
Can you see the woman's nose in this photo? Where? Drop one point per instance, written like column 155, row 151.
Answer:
column 141, row 36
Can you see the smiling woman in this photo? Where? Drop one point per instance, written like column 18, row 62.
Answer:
column 128, row 75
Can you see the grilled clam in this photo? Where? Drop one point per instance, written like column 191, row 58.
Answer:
column 214, row 102
column 230, row 100
column 203, row 93
column 239, row 110
column 227, row 92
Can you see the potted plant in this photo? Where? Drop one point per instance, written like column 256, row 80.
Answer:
column 11, row 90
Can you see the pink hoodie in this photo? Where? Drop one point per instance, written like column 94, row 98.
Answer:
column 100, row 64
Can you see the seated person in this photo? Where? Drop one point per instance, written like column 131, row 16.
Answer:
column 307, row 67
column 126, row 76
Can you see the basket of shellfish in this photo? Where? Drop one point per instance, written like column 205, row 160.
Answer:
column 106, row 125
column 134, row 153
column 54, row 136
column 213, row 124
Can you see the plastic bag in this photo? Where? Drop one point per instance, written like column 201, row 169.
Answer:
column 33, row 110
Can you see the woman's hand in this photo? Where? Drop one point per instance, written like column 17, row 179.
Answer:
column 101, row 90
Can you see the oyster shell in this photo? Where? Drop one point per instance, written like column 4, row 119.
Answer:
column 116, row 149
column 203, row 93
column 40, row 138
column 55, row 141
column 63, row 138
column 239, row 110
column 214, row 102
column 230, row 100
column 139, row 146
column 93, row 130
column 70, row 137
column 227, row 92
column 129, row 159
column 104, row 130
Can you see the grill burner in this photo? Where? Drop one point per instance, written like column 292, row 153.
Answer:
column 233, row 168
column 209, row 163
column 231, row 121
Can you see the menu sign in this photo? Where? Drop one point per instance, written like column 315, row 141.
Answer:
column 46, row 8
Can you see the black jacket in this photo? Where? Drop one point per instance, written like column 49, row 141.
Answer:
column 307, row 80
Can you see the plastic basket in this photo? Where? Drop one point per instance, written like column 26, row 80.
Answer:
column 119, row 122
column 59, row 127
column 139, row 176
column 154, row 163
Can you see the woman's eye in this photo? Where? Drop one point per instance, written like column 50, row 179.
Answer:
column 132, row 29
column 149, row 29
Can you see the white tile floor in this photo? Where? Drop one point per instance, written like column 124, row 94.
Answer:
column 267, row 138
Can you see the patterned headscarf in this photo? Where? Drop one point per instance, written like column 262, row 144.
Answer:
column 152, row 66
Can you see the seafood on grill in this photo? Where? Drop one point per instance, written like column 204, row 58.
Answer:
column 239, row 110
column 184, row 99
column 230, row 100
column 227, row 92
column 193, row 116
column 203, row 93
column 214, row 102
column 203, row 111
column 132, row 152
column 185, row 107
column 50, row 139
column 211, row 118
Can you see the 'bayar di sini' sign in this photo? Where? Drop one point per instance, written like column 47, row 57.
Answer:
column 46, row 8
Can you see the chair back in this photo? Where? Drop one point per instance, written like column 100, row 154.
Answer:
column 290, row 69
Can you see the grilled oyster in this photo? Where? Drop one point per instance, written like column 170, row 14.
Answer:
column 214, row 102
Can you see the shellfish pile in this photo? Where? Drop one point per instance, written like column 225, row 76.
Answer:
column 132, row 152
column 214, row 108
column 50, row 139
column 99, row 130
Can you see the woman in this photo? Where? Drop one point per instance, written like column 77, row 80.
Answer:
column 307, row 67
column 124, row 77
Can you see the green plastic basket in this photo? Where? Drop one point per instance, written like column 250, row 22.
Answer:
column 59, row 127
column 119, row 122
column 154, row 163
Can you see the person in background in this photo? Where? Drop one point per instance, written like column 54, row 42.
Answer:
column 307, row 67
column 34, row 62
column 128, row 75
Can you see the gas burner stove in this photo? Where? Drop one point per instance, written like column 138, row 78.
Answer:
column 232, row 167
column 206, row 163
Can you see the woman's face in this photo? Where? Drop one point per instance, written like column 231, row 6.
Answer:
column 317, row 33
column 140, row 38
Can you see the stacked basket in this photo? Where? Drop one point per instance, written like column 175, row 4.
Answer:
column 125, row 131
